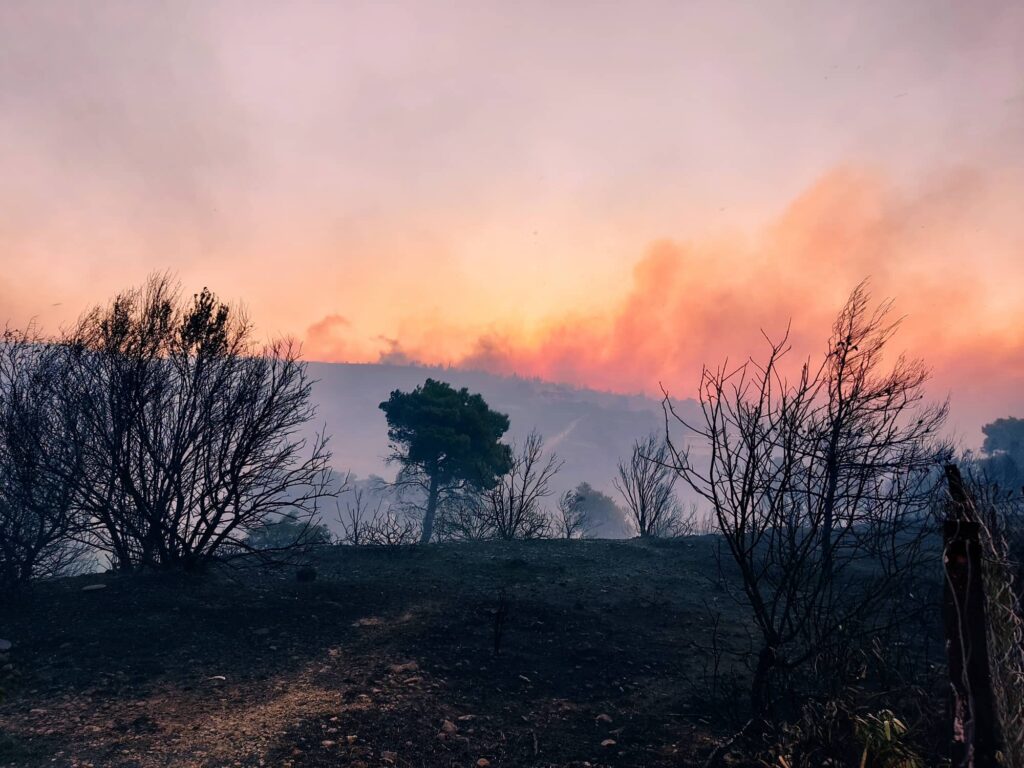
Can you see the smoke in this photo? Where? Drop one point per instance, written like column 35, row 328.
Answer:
column 949, row 252
column 446, row 178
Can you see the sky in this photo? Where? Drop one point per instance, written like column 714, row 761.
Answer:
column 605, row 194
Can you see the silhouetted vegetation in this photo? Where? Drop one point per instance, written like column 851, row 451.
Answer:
column 189, row 430
column 821, row 488
column 157, row 433
column 369, row 517
column 1002, row 454
column 646, row 482
column 572, row 521
column 513, row 507
column 447, row 442
column 41, row 456
column 286, row 534
column 605, row 519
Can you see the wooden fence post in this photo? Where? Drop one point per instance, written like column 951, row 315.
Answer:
column 975, row 728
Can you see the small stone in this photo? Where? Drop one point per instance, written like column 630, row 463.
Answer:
column 608, row 743
column 409, row 666
column 413, row 680
column 483, row 762
column 603, row 718
column 389, row 757
column 449, row 727
column 327, row 743
column 351, row 738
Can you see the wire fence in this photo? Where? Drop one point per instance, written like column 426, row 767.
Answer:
column 1002, row 538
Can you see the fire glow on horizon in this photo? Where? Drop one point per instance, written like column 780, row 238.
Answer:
column 608, row 196
column 695, row 303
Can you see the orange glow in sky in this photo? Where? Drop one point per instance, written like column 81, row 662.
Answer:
column 608, row 195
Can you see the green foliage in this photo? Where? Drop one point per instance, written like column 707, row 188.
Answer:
column 1005, row 436
column 604, row 518
column 449, row 434
column 1002, row 459
column 448, row 443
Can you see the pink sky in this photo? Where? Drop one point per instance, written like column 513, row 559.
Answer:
column 608, row 194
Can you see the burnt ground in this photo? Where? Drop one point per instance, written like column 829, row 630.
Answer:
column 386, row 659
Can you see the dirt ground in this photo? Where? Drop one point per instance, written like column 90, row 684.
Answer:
column 388, row 658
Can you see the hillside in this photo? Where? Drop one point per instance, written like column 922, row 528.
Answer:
column 591, row 430
column 389, row 658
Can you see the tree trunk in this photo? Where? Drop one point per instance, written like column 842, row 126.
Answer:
column 831, row 484
column 759, row 689
column 975, row 727
column 428, row 516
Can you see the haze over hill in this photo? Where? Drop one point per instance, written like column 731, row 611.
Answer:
column 589, row 429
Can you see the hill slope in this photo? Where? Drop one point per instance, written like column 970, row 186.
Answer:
column 392, row 658
column 590, row 430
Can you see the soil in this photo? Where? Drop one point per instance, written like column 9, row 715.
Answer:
column 545, row 653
